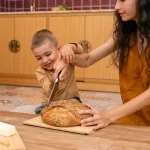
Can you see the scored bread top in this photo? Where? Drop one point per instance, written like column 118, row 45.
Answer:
column 64, row 113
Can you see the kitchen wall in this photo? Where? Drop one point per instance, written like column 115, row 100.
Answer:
column 2, row 7
column 46, row 5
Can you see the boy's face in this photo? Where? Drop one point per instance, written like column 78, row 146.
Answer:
column 46, row 55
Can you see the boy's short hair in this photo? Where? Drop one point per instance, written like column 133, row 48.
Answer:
column 43, row 36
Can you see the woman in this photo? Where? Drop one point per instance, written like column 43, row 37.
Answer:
column 130, row 43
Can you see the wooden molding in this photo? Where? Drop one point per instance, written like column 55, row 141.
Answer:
column 99, row 86
column 23, row 80
column 29, row 80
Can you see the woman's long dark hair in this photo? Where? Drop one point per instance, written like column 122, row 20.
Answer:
column 123, row 31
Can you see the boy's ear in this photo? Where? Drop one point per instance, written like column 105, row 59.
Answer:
column 59, row 47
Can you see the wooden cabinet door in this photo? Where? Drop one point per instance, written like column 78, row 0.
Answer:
column 25, row 28
column 68, row 29
column 6, row 35
column 98, row 29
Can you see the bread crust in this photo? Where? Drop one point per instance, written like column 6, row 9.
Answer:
column 64, row 113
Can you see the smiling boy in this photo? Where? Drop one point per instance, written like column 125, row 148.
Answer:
column 45, row 48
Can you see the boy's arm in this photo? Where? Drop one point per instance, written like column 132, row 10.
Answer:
column 46, row 82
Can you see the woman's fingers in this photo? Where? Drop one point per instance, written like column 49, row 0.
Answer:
column 89, row 121
column 88, row 111
column 97, row 124
column 88, row 106
column 63, row 54
column 98, row 120
column 102, row 124
column 67, row 55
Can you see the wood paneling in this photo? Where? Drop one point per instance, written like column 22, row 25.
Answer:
column 19, row 68
column 6, row 35
column 25, row 28
column 68, row 29
column 98, row 30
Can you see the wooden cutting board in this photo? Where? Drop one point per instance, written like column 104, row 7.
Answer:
column 37, row 121
column 14, row 142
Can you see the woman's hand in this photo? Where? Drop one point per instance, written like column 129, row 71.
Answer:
column 99, row 118
column 67, row 53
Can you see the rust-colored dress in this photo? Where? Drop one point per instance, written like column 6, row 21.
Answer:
column 134, row 81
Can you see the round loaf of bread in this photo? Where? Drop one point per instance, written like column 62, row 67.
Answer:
column 64, row 113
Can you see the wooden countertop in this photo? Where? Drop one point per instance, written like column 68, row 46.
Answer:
column 114, row 137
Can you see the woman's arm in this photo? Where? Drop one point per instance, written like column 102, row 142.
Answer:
column 103, row 118
column 83, row 60
column 77, row 48
column 132, row 106
column 87, row 59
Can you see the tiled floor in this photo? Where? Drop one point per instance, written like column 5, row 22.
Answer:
column 25, row 99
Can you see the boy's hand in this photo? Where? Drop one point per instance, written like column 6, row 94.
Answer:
column 60, row 66
column 67, row 53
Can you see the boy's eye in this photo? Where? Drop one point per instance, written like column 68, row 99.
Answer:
column 48, row 54
column 38, row 58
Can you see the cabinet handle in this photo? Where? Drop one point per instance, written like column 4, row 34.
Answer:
column 14, row 46
column 86, row 46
